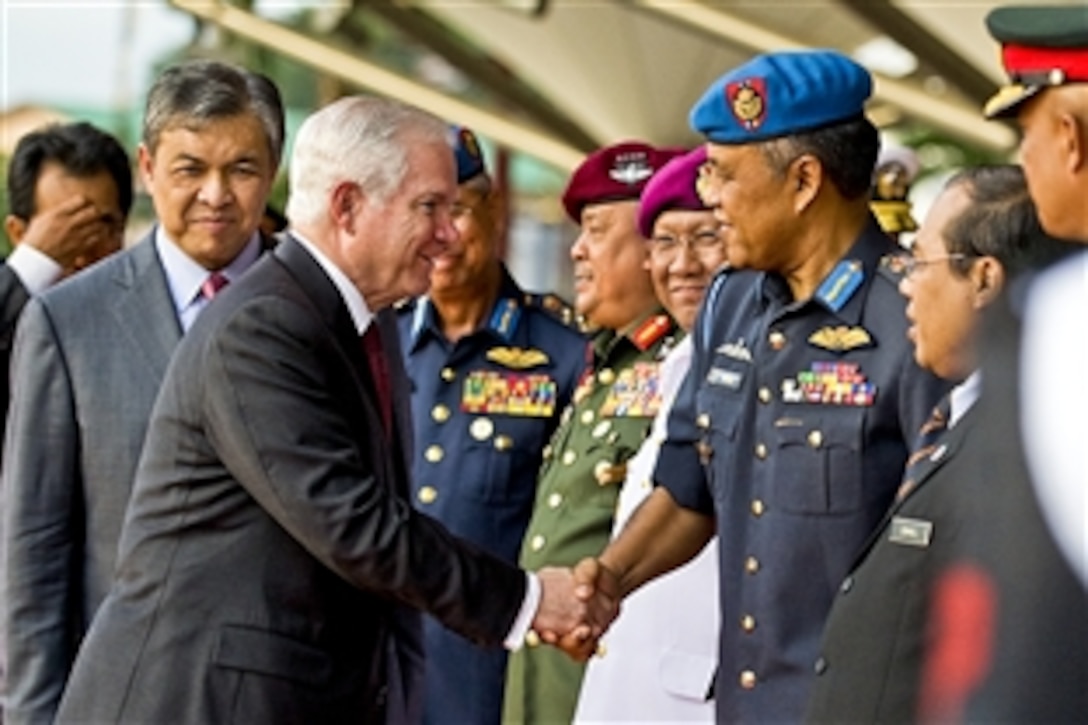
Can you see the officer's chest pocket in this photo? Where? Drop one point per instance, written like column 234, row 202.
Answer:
column 717, row 421
column 816, row 463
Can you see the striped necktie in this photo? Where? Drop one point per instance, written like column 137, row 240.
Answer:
column 925, row 445
column 211, row 286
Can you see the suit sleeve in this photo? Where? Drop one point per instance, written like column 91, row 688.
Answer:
column 13, row 298
column 41, row 503
column 287, row 415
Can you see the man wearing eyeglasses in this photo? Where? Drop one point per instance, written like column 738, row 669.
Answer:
column 789, row 436
column 491, row 372
column 980, row 234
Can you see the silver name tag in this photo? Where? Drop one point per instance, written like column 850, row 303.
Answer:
column 910, row 532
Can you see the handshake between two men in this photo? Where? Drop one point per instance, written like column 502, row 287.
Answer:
column 576, row 606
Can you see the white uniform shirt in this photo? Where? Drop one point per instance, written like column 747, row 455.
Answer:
column 661, row 654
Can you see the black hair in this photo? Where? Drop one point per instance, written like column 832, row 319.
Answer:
column 80, row 148
column 847, row 151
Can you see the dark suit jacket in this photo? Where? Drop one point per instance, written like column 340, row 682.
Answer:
column 13, row 298
column 875, row 638
column 269, row 550
column 89, row 355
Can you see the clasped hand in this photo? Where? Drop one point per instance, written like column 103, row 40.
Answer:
column 576, row 606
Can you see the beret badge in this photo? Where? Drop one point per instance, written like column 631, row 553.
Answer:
column 630, row 168
column 747, row 99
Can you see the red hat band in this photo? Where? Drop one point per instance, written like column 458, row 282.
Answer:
column 1034, row 65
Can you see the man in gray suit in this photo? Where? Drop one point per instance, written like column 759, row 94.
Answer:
column 271, row 562
column 90, row 355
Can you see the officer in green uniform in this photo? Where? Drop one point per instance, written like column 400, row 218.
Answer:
column 613, row 406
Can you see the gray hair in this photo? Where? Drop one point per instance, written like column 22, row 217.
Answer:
column 363, row 139
column 193, row 93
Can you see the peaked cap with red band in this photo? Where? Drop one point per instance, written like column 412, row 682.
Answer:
column 1041, row 47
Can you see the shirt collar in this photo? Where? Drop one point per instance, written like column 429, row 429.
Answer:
column 963, row 396
column 184, row 275
column 360, row 313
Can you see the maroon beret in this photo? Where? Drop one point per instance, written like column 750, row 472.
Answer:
column 613, row 173
column 673, row 187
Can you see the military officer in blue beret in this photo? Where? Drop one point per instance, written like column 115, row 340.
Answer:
column 789, row 436
column 490, row 376
column 586, row 461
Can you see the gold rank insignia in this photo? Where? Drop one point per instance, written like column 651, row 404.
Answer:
column 517, row 358
column 841, row 338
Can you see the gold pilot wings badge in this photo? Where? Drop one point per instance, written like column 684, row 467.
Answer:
column 841, row 338
column 517, row 358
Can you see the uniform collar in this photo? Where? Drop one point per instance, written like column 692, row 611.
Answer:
column 839, row 292
column 643, row 334
column 502, row 322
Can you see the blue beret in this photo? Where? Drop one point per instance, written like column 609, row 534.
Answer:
column 466, row 149
column 780, row 94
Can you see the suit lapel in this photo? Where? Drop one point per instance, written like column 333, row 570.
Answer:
column 144, row 308
column 331, row 308
column 949, row 446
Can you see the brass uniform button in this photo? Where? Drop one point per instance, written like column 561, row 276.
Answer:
column 537, row 543
column 555, row 500
column 601, row 429
column 751, row 565
column 606, row 376
column 606, row 473
column 532, row 639
column 547, row 452
column 567, row 413
column 586, row 417
column 448, row 374
column 748, row 680
column 776, row 340
column 761, row 451
column 815, row 439
column 569, row 457
column 765, row 395
column 434, row 453
column 440, row 413
column 601, row 650
column 758, row 507
column 748, row 623
column 503, row 443
column 703, row 420
column 427, row 494
column 481, row 429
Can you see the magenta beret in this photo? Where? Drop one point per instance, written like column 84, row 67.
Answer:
column 673, row 187
column 613, row 173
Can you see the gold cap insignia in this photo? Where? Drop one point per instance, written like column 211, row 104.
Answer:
column 517, row 358
column 747, row 99
column 840, row 339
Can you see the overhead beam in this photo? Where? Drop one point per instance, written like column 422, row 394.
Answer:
column 907, row 32
column 483, row 69
column 956, row 118
column 364, row 74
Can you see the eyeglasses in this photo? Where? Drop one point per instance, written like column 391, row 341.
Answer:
column 667, row 246
column 906, row 265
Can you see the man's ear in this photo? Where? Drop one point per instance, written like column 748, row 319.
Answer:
column 15, row 228
column 806, row 176
column 988, row 277
column 145, row 163
column 346, row 197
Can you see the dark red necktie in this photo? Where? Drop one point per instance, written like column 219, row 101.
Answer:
column 213, row 284
column 379, row 371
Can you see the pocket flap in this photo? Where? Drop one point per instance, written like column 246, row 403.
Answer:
column 687, row 675
column 269, row 653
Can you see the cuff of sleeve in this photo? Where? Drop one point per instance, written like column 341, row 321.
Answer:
column 36, row 269
column 681, row 473
column 516, row 637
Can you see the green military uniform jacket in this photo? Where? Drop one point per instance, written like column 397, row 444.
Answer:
column 577, row 489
